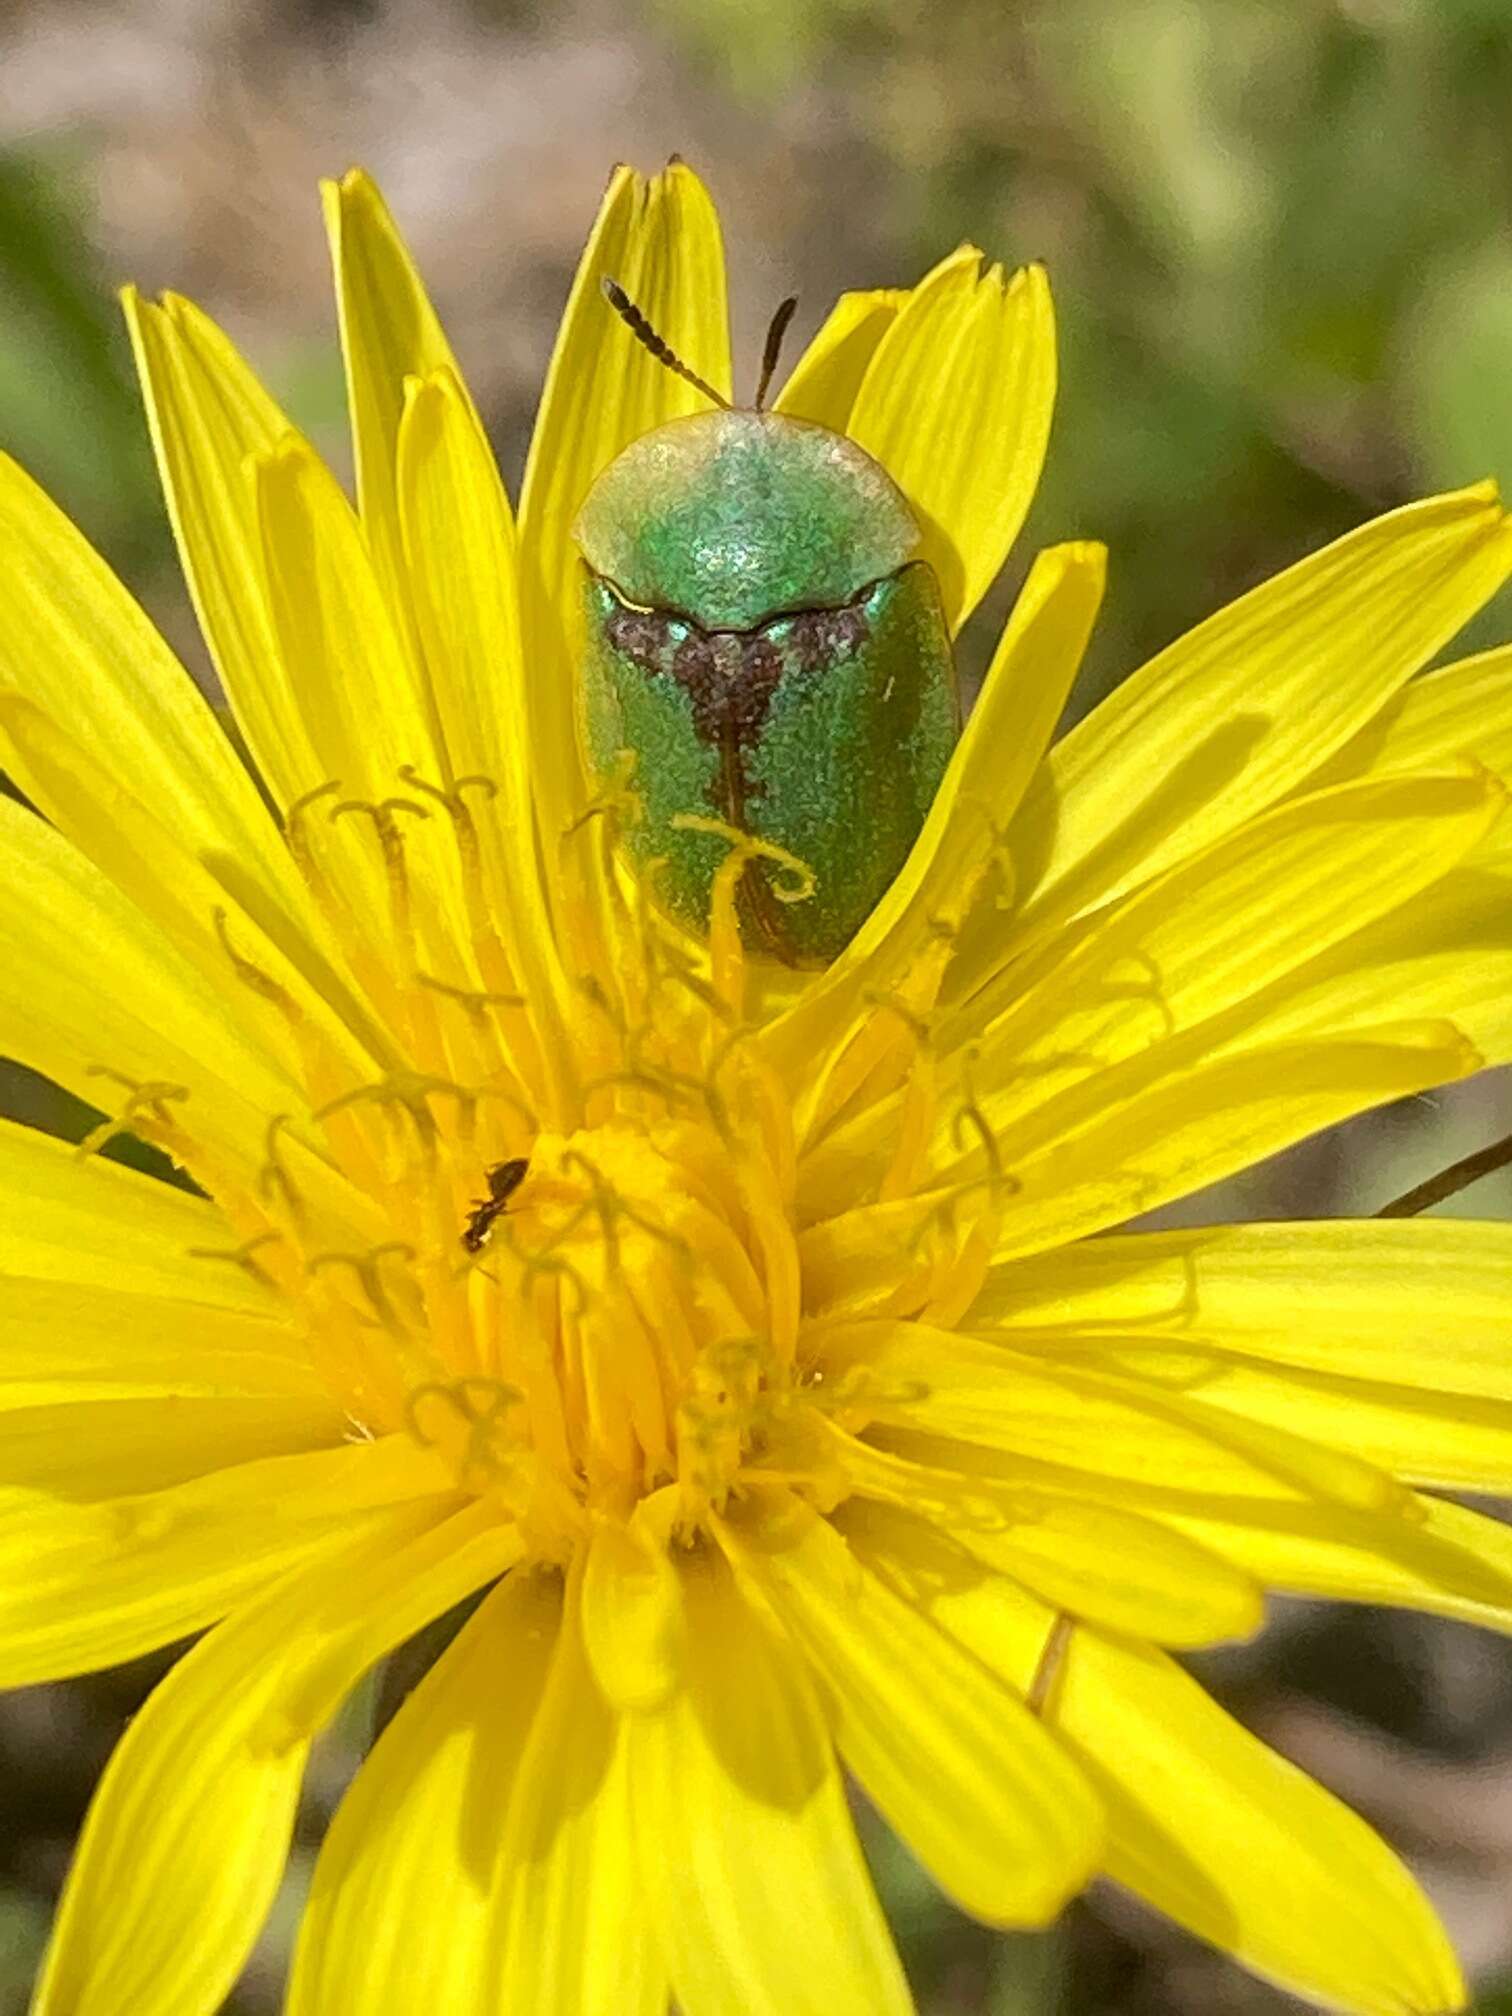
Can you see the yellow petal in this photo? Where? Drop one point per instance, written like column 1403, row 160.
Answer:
column 459, row 550
column 937, row 1382
column 1223, row 1835
column 209, row 416
column 385, row 1598
column 1006, row 736
column 67, row 1343
column 1448, row 1440
column 824, row 382
column 93, row 1449
column 1449, row 1561
column 1460, row 711
column 160, row 1022
column 958, row 1764
column 632, row 1616
column 209, row 910
column 98, row 1224
column 366, row 717
column 184, row 1847
column 65, row 928
column 1204, row 1821
column 74, row 642
column 737, row 1770
column 956, row 406
column 1235, row 948
column 1009, row 728
column 389, row 333
column 1427, row 1300
column 1190, row 1129
column 1230, row 717
column 459, row 543
column 570, row 1929
column 287, row 671
column 372, row 721
column 405, row 1880
column 1101, row 1562
column 1135, row 1145
column 660, row 240
column 1226, row 926
column 185, row 1842
column 86, row 1585
column 1117, row 1569
column 1446, row 951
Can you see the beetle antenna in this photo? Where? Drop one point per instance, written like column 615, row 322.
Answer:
column 661, row 350
column 773, row 348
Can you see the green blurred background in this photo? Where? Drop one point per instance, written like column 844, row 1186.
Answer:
column 1281, row 247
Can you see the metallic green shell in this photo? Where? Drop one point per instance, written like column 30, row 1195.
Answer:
column 825, row 730
column 729, row 518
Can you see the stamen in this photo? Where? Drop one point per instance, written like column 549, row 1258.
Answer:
column 774, row 1238
column 726, row 954
column 296, row 832
column 463, row 825
column 476, row 1000
column 249, row 973
column 241, row 1256
column 544, row 1261
column 916, row 1126
column 273, row 1179
column 969, row 1118
column 675, row 970
column 1047, row 1670
column 677, row 1089
column 617, row 800
column 606, row 1203
column 365, row 1266
column 481, row 1404
column 596, row 926
column 452, row 798
column 146, row 1100
column 407, row 1090
column 383, row 814
column 1000, row 856
column 958, row 1277
column 858, row 1060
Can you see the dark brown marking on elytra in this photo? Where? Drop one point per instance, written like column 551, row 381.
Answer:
column 749, row 700
column 732, row 676
column 642, row 636
column 822, row 638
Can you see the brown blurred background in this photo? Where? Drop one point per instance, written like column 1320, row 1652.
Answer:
column 1280, row 242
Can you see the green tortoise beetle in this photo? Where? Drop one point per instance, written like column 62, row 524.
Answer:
column 762, row 637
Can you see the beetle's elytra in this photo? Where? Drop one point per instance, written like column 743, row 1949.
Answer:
column 761, row 636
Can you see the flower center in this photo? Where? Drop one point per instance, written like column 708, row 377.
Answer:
column 539, row 1210
column 624, row 1325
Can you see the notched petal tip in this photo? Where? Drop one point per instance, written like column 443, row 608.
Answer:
column 341, row 194
column 284, row 461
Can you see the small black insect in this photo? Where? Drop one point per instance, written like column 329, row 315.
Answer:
column 503, row 1181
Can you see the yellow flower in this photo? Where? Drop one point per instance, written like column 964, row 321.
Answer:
column 789, row 1415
